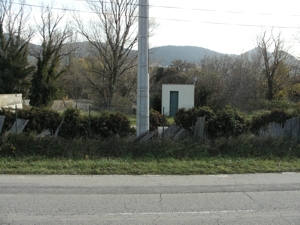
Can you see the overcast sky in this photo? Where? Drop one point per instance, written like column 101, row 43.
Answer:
column 226, row 26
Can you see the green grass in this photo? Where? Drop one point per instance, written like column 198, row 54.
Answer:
column 132, row 119
column 105, row 166
column 26, row 154
column 170, row 119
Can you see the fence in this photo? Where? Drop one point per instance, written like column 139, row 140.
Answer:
column 289, row 128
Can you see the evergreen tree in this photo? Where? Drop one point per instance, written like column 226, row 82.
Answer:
column 44, row 89
column 14, row 66
column 43, row 84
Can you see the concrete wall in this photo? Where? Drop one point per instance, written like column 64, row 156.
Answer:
column 11, row 101
column 185, row 96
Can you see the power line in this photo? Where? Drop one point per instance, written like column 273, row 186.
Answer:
column 221, row 11
column 179, row 20
column 170, row 7
column 208, row 10
column 228, row 24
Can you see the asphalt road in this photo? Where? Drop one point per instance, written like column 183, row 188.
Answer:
column 222, row 199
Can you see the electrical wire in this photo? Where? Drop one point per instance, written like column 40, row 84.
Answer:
column 181, row 20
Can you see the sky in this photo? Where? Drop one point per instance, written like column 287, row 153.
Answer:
column 229, row 26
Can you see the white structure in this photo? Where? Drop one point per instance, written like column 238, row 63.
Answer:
column 11, row 101
column 143, row 103
column 176, row 96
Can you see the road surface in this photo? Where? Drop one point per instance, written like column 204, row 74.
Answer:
column 222, row 199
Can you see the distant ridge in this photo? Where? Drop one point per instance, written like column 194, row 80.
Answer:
column 158, row 56
column 164, row 55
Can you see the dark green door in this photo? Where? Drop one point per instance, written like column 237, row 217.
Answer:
column 173, row 103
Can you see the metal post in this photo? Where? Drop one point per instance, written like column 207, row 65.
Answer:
column 233, row 132
column 298, row 134
column 89, row 133
column 16, row 107
column 163, row 116
column 142, row 116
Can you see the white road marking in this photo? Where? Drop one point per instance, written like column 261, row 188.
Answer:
column 181, row 213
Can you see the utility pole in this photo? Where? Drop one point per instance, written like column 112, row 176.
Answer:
column 142, row 116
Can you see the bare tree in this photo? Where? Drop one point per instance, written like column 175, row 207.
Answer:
column 112, row 37
column 54, row 35
column 228, row 80
column 15, row 35
column 273, row 53
column 183, row 66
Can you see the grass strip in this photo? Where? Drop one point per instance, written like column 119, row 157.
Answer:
column 120, row 166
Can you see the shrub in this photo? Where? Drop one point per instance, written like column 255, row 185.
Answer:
column 157, row 119
column 101, row 126
column 10, row 118
column 276, row 115
column 39, row 118
column 271, row 105
column 74, row 125
column 15, row 145
column 188, row 118
column 116, row 124
column 227, row 122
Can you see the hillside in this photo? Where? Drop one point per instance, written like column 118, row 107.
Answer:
column 164, row 55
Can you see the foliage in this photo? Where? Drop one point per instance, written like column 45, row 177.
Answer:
column 10, row 118
column 14, row 40
column 111, row 124
column 276, row 115
column 39, row 119
column 74, row 125
column 44, row 89
column 155, row 102
column 223, row 123
column 227, row 122
column 290, row 92
column 100, row 126
column 188, row 117
column 157, row 119
column 244, row 146
column 274, row 104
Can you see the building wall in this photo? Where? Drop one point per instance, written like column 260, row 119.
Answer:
column 185, row 96
column 11, row 101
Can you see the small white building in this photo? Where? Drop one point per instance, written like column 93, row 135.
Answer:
column 176, row 96
column 11, row 101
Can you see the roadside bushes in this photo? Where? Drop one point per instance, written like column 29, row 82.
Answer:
column 230, row 122
column 276, row 115
column 74, row 125
column 188, row 117
column 223, row 123
column 157, row 119
column 39, row 118
column 227, row 122
column 110, row 124
column 97, row 126
column 26, row 144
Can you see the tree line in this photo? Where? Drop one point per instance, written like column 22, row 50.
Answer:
column 102, row 67
column 110, row 39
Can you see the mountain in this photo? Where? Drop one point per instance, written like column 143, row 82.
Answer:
column 164, row 55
